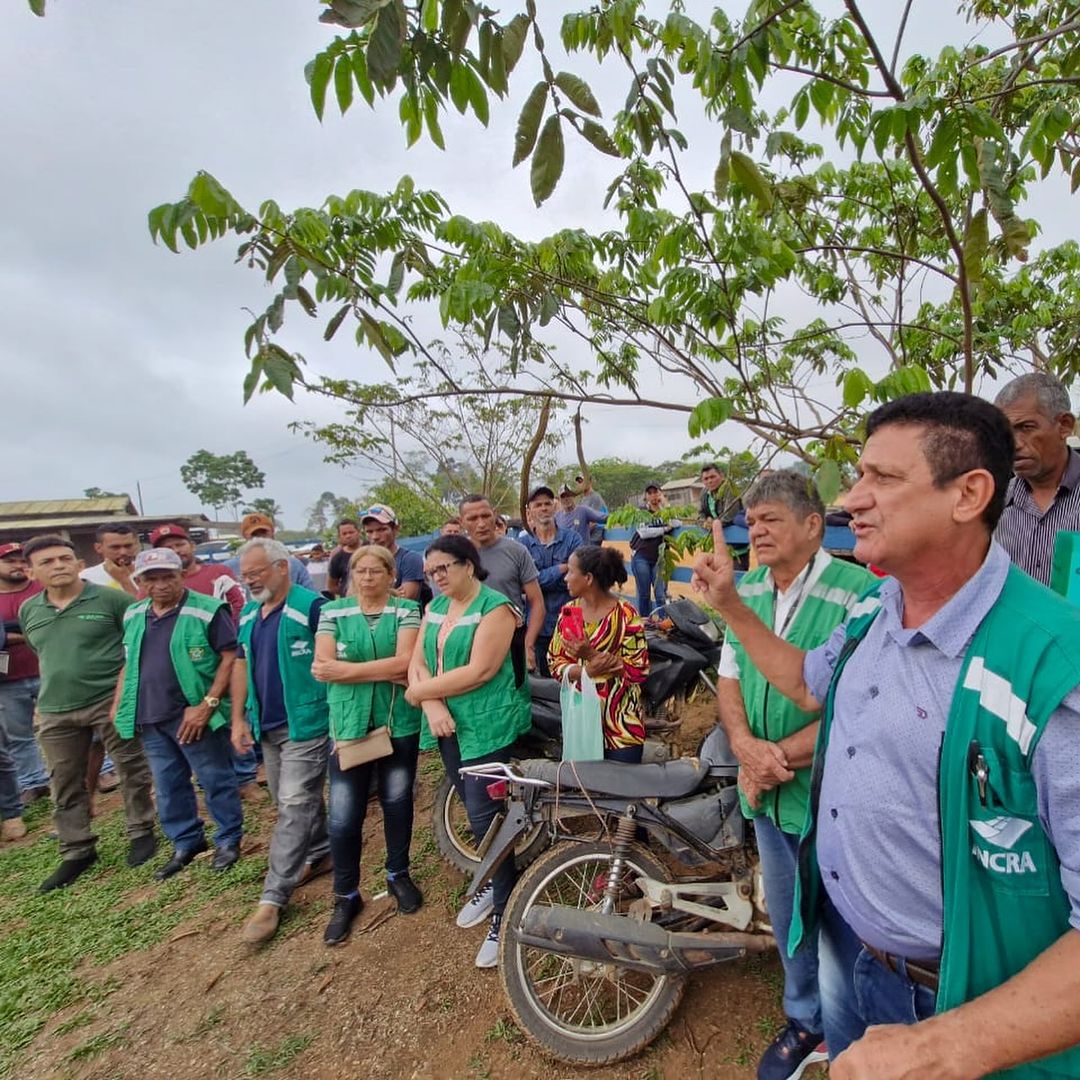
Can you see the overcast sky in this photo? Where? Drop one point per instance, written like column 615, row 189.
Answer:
column 120, row 359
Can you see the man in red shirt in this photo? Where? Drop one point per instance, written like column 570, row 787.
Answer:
column 210, row 579
column 19, row 680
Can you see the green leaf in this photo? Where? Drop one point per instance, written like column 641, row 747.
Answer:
column 363, row 80
column 577, row 90
column 251, row 380
column 707, row 415
column 598, row 136
column 528, row 124
column 429, row 16
column 1014, row 231
column 857, row 387
column 513, row 41
column 280, row 369
column 38, row 7
column 828, row 481
column 321, row 69
column 509, row 323
column 343, row 82
column 336, row 321
column 976, row 244
column 547, row 162
column 306, row 301
column 752, row 179
column 722, row 176
column 397, row 273
column 384, row 46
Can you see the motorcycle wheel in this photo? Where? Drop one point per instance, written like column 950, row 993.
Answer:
column 581, row 1011
column 454, row 838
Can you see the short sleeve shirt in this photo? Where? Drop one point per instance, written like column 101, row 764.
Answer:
column 79, row 648
column 509, row 568
column 410, row 566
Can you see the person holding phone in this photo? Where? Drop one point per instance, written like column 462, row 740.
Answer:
column 602, row 636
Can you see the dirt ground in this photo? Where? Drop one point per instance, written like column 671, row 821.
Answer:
column 401, row 999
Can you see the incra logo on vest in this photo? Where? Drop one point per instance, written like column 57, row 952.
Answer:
column 1003, row 832
column 300, row 648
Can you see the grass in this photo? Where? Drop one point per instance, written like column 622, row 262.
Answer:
column 504, row 1030
column 51, row 945
column 268, row 1059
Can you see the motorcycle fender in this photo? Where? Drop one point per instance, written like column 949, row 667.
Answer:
column 497, row 847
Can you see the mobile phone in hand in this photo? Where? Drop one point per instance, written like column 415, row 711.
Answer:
column 573, row 624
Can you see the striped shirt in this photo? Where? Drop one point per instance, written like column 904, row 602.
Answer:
column 1028, row 533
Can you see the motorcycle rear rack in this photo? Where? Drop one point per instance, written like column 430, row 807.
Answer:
column 738, row 911
column 499, row 770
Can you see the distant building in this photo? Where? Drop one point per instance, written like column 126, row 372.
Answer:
column 685, row 492
column 78, row 520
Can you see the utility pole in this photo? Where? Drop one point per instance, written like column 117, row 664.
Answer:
column 138, row 496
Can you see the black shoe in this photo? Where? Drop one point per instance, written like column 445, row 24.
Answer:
column 67, row 872
column 404, row 890
column 143, row 849
column 225, row 857
column 179, row 860
column 346, row 908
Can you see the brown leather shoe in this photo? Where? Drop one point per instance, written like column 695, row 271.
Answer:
column 13, row 828
column 315, row 869
column 262, row 926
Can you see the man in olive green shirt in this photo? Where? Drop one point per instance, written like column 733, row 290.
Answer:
column 76, row 629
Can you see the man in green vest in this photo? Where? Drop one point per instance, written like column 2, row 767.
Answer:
column 277, row 700
column 803, row 593
column 941, row 853
column 180, row 646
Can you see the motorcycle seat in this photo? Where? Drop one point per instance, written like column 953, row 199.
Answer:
column 668, row 780
column 541, row 689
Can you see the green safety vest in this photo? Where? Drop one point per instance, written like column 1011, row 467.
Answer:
column 493, row 715
column 193, row 661
column 769, row 714
column 305, row 696
column 1003, row 900
column 355, row 708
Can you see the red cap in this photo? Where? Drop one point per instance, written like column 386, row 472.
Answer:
column 10, row 549
column 163, row 531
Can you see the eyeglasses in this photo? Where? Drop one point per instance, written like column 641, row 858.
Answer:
column 255, row 575
column 441, row 571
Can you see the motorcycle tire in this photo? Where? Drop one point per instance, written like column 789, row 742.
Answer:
column 454, row 838
column 536, row 981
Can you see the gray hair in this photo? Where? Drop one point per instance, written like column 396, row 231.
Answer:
column 796, row 491
column 275, row 550
column 1049, row 393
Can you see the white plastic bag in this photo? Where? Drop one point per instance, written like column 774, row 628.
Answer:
column 582, row 726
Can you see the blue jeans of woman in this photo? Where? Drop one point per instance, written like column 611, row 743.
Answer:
column 857, row 990
column 649, row 581
column 350, row 789
column 630, row 755
column 480, row 808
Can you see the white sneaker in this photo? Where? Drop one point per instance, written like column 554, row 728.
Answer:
column 488, row 956
column 477, row 909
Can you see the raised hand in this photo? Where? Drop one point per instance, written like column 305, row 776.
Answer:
column 714, row 572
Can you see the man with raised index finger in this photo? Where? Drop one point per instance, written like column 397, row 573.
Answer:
column 941, row 851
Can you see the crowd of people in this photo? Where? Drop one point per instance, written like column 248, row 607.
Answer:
column 905, row 742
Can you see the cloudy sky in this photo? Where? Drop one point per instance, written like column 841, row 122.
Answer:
column 120, row 359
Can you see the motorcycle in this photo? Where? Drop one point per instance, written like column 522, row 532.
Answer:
column 679, row 657
column 599, row 935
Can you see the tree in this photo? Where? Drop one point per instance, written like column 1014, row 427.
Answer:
column 220, row 480
column 101, row 493
column 903, row 233
column 416, row 514
column 328, row 509
column 265, row 505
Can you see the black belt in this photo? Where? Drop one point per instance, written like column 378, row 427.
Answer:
column 923, row 974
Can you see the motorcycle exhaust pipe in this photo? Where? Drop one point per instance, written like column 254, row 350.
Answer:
column 631, row 943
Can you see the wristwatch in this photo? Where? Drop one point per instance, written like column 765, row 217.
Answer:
column 211, row 702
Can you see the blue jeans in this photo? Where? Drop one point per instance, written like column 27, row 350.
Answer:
column 10, row 803
column 649, row 580
column 779, row 861
column 349, row 790
column 172, row 766
column 246, row 766
column 481, row 809
column 857, row 990
column 17, row 701
column 629, row 755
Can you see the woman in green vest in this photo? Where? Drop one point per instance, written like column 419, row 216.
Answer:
column 362, row 652
column 462, row 676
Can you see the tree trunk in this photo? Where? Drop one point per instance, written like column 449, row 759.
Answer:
column 531, row 452
column 580, row 444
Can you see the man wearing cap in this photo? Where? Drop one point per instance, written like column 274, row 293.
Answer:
column 277, row 700
column 591, row 498
column 19, row 680
column 348, row 534
column 253, row 525
column 579, row 518
column 76, row 628
column 646, row 543
column 180, row 645
column 381, row 527
column 210, row 579
column 550, row 548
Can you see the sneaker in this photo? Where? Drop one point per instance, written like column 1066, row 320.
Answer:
column 788, row 1055
column 403, row 889
column 346, row 908
column 488, row 956
column 477, row 909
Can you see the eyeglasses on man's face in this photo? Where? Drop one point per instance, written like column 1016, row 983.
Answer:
column 433, row 572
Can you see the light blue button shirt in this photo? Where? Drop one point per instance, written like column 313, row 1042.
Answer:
column 879, row 841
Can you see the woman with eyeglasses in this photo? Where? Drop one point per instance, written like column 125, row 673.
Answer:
column 362, row 651
column 462, row 676
column 603, row 636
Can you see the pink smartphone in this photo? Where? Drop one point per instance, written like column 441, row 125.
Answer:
column 573, row 624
